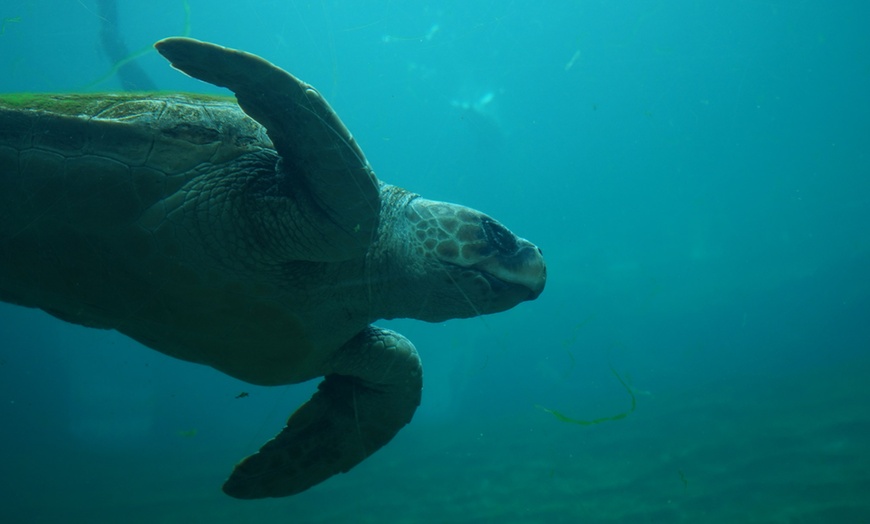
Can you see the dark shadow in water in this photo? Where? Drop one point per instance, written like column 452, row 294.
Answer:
column 132, row 77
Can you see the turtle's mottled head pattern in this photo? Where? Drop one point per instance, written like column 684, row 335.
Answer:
column 482, row 267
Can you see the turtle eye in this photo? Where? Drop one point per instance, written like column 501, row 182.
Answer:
column 500, row 237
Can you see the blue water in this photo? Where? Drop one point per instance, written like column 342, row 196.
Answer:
column 698, row 177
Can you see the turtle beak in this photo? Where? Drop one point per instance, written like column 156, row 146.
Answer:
column 524, row 268
column 534, row 271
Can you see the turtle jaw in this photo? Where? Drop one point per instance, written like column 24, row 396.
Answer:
column 524, row 270
column 506, row 294
column 499, row 283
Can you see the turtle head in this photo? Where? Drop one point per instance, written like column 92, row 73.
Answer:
column 472, row 264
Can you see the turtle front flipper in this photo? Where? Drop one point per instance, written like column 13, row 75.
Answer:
column 316, row 149
column 372, row 388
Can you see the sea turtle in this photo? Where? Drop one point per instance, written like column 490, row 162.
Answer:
column 257, row 241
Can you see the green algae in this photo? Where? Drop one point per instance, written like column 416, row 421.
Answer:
column 76, row 104
column 8, row 20
column 619, row 416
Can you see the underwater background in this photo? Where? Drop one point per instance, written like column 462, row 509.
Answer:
column 698, row 177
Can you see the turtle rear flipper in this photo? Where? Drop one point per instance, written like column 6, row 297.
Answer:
column 371, row 391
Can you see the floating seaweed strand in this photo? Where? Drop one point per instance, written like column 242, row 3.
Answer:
column 564, row 418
